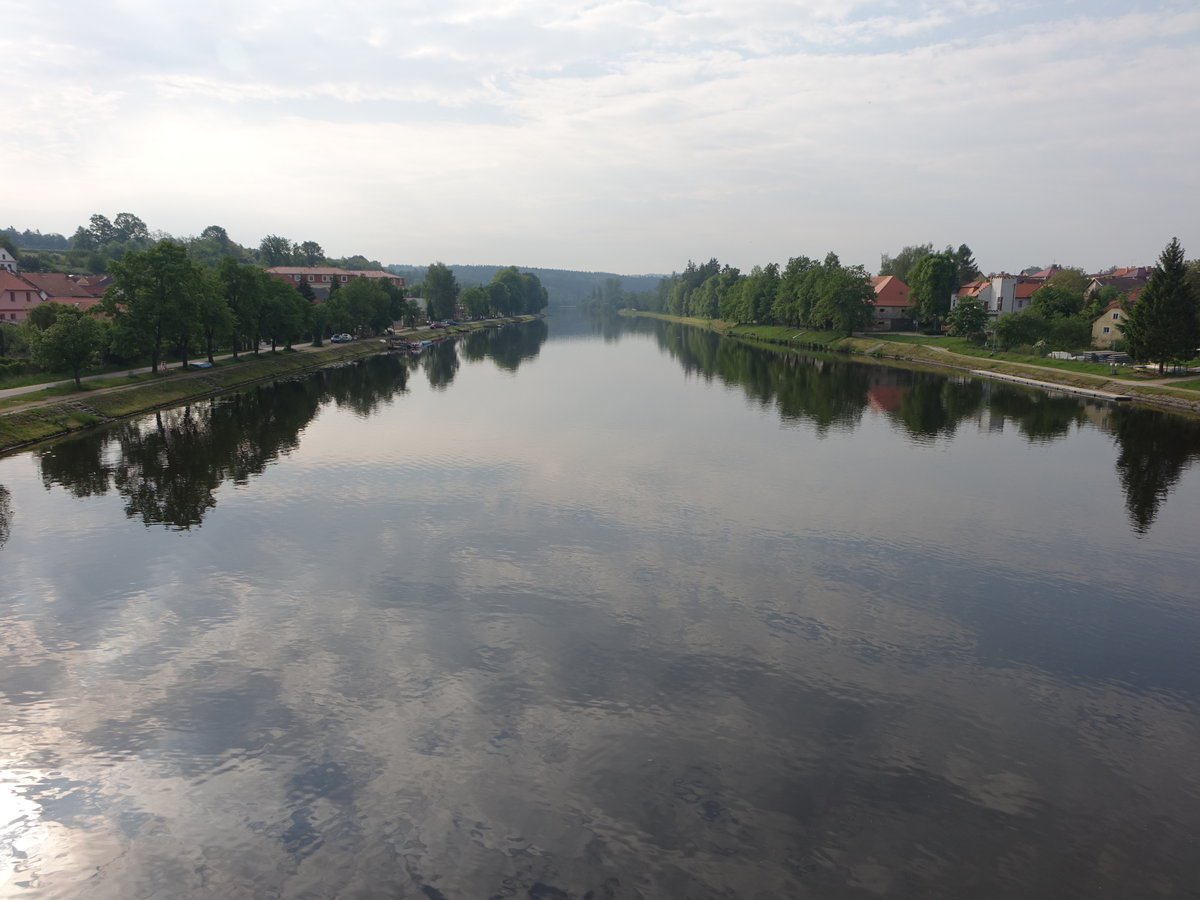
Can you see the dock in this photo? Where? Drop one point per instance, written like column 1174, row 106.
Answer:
column 1051, row 386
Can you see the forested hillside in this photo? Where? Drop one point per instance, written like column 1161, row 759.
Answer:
column 565, row 288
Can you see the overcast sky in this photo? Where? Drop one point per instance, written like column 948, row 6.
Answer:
column 614, row 135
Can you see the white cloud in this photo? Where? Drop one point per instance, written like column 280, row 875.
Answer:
column 535, row 131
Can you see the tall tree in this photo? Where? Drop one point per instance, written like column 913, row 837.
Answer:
column 844, row 296
column 1053, row 300
column 275, row 250
column 214, row 316
column 931, row 283
column 968, row 319
column 968, row 271
column 309, row 253
column 440, row 291
column 243, row 286
column 70, row 344
column 152, row 298
column 128, row 228
column 102, row 230
column 1162, row 325
column 900, row 264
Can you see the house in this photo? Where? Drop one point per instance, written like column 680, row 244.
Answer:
column 1107, row 329
column 997, row 293
column 1043, row 275
column 321, row 278
column 62, row 288
column 1123, row 283
column 7, row 262
column 892, row 304
column 17, row 297
column 1023, row 292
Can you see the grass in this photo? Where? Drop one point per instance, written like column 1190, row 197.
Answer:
column 965, row 348
column 59, row 409
column 772, row 333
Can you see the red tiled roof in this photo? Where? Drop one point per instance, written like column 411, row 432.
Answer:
column 56, row 284
column 1131, row 272
column 890, row 291
column 1046, row 273
column 11, row 282
column 291, row 271
column 972, row 289
column 1025, row 289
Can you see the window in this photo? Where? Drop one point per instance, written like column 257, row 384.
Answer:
column 342, row 278
column 1116, row 316
column 324, row 277
column 1106, row 329
column 312, row 277
column 295, row 278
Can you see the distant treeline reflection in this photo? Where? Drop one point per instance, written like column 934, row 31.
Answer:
column 828, row 392
column 167, row 467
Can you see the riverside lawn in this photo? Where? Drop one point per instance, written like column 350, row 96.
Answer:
column 1179, row 395
column 61, row 409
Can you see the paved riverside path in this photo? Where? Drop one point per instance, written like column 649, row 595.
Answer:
column 173, row 370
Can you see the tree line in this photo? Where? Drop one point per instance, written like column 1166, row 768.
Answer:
column 101, row 241
column 820, row 294
column 161, row 301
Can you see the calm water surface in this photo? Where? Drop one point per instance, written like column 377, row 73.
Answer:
column 610, row 611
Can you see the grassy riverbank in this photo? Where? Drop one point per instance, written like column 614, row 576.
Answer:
column 63, row 408
column 955, row 354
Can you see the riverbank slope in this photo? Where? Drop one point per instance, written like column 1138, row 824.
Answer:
column 1180, row 394
column 43, row 413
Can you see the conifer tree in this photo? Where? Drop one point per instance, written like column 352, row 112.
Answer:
column 1162, row 325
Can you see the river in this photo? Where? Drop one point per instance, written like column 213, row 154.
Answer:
column 605, row 610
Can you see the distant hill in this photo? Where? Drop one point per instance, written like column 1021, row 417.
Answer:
column 565, row 288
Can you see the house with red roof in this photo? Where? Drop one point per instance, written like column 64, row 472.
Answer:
column 322, row 278
column 1107, row 329
column 1043, row 274
column 892, row 304
column 17, row 297
column 998, row 294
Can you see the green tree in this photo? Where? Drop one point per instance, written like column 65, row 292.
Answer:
column 70, row 344
column 128, row 228
column 440, row 291
column 968, row 271
column 310, row 254
column 284, row 315
column 43, row 315
column 83, row 239
column 475, row 300
column 843, row 296
column 1056, row 301
column 1071, row 279
column 243, row 286
column 967, row 319
column 275, row 251
column 1023, row 329
column 931, row 283
column 102, row 230
column 214, row 317
column 152, row 299
column 900, row 264
column 1163, row 325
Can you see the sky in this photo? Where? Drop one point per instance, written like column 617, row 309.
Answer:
column 624, row 136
